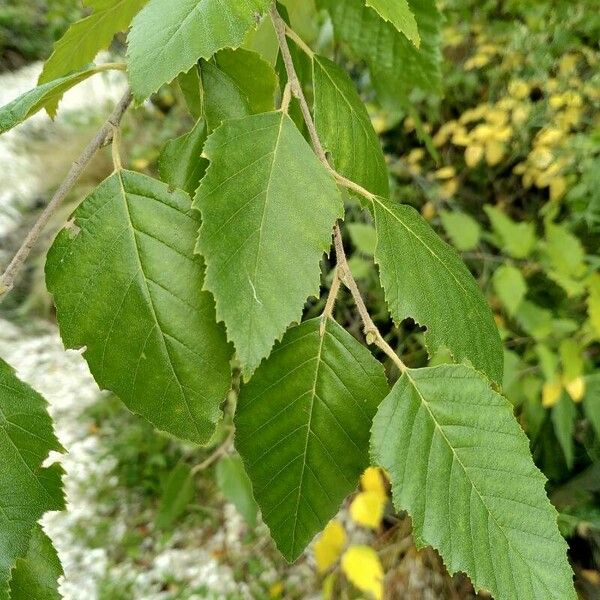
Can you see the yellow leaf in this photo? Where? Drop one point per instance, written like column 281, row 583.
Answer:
column 327, row 587
column 558, row 187
column 428, row 211
column 520, row 114
column 494, row 151
column 372, row 481
column 445, row 173
column 473, row 154
column 415, row 155
column 576, row 389
column 497, row 117
column 551, row 393
column 519, row 89
column 329, row 546
column 367, row 508
column 449, row 188
column 276, row 590
column 363, row 569
column 567, row 63
column 549, row 136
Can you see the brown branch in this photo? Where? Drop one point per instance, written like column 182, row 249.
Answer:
column 103, row 137
column 372, row 333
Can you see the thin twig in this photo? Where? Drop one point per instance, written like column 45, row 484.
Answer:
column 223, row 449
column 331, row 298
column 299, row 41
column 103, row 137
column 372, row 333
column 286, row 97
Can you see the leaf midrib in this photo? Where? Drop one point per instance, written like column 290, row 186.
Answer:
column 151, row 304
column 467, row 476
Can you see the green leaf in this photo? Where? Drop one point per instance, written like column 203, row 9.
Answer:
column 593, row 303
column 515, row 239
column 424, row 278
column 235, row 485
column 564, row 414
column 36, row 575
column 364, row 237
column 128, row 288
column 565, row 259
column 177, row 493
column 463, row 230
column 237, row 83
column 34, row 100
column 268, row 207
column 591, row 401
column 85, row 38
column 303, row 429
column 168, row 36
column 535, row 320
column 399, row 14
column 180, row 163
column 460, row 465
column 191, row 88
column 510, row 287
column 345, row 128
column 27, row 490
column 396, row 66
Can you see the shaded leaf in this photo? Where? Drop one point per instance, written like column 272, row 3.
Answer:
column 85, row 38
column 486, row 509
column 564, row 413
column 463, row 230
column 399, row 14
column 178, row 491
column 235, row 485
column 34, row 100
column 128, row 287
column 236, row 84
column 180, row 163
column 303, row 427
column 425, row 279
column 191, row 88
column 396, row 66
column 510, row 287
column 35, row 576
column 515, row 239
column 168, row 36
column 268, row 207
column 345, row 128
column 27, row 490
column 364, row 237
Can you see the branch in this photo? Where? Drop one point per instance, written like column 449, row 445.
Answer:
column 372, row 333
column 221, row 450
column 103, row 137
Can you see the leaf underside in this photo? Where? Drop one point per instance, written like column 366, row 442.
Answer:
column 27, row 490
column 128, row 287
column 424, row 278
column 268, row 207
column 398, row 12
column 36, row 574
column 460, row 465
column 237, row 83
column 345, row 128
column 34, row 100
column 396, row 66
column 85, row 38
column 302, row 428
column 169, row 36
column 180, row 163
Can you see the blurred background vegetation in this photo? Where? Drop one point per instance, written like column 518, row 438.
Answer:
column 506, row 167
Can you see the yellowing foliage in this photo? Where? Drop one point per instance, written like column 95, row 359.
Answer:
column 362, row 567
column 329, row 546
